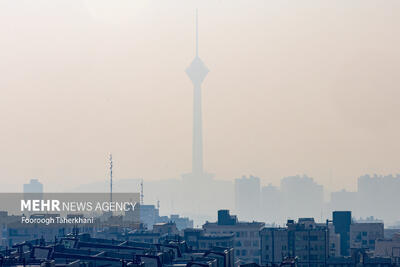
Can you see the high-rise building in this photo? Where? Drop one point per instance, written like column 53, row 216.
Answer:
column 307, row 242
column 270, row 212
column 304, row 240
column 378, row 195
column 34, row 186
column 274, row 245
column 342, row 222
column 247, row 197
column 302, row 196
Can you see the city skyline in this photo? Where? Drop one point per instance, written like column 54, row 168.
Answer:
column 199, row 133
column 63, row 114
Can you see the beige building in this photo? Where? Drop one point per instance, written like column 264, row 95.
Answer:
column 364, row 235
column 197, row 239
column 274, row 245
column 388, row 248
column 334, row 242
column 246, row 235
column 304, row 240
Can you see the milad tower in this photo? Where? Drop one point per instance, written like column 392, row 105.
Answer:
column 205, row 193
column 197, row 71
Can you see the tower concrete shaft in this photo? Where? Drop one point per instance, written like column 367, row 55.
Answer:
column 197, row 158
column 197, row 71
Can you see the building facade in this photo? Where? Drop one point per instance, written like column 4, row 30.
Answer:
column 305, row 240
column 246, row 235
column 198, row 239
column 364, row 235
column 247, row 197
column 389, row 248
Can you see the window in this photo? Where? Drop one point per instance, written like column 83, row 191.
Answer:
column 358, row 237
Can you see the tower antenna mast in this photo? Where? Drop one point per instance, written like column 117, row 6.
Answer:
column 141, row 193
column 197, row 33
column 111, row 177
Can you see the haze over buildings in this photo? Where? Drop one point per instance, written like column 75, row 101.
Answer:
column 306, row 87
column 281, row 99
column 278, row 147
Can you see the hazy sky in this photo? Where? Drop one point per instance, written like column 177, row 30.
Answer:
column 294, row 87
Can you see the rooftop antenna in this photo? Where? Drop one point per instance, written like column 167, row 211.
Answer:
column 141, row 193
column 111, row 177
column 158, row 204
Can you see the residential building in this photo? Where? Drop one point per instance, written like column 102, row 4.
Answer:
column 270, row 212
column 274, row 243
column 34, row 186
column 181, row 222
column 307, row 241
column 342, row 222
column 247, row 197
column 304, row 240
column 84, row 250
column 246, row 235
column 301, row 196
column 198, row 239
column 334, row 241
column 149, row 215
column 364, row 235
column 378, row 195
column 168, row 228
column 389, row 248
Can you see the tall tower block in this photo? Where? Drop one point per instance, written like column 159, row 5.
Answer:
column 197, row 71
